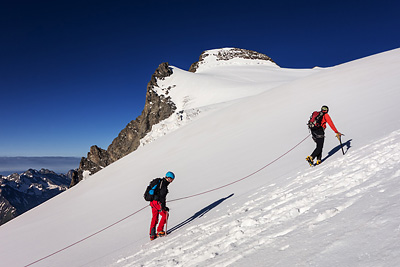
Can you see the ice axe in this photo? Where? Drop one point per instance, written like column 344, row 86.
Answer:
column 166, row 223
column 340, row 141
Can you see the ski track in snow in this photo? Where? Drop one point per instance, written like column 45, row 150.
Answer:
column 265, row 221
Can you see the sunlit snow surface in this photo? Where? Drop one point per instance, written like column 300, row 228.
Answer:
column 344, row 212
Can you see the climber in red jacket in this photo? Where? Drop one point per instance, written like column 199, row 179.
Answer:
column 318, row 134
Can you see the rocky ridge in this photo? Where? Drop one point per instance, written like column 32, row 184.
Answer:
column 157, row 108
column 226, row 54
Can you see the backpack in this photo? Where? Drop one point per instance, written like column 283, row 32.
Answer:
column 315, row 120
column 151, row 189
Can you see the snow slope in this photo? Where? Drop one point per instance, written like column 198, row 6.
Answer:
column 342, row 213
column 215, row 85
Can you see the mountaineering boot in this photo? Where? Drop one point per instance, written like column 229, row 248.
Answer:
column 318, row 162
column 160, row 234
column 153, row 234
column 310, row 160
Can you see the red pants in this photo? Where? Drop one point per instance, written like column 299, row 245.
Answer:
column 156, row 209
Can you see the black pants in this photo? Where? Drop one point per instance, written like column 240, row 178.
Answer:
column 318, row 136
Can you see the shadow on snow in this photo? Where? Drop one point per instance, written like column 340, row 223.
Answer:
column 346, row 145
column 198, row 214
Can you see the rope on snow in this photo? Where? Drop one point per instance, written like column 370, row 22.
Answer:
column 190, row 196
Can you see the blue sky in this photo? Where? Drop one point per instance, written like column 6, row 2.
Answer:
column 74, row 73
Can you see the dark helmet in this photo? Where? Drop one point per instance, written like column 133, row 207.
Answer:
column 325, row 109
column 170, row 175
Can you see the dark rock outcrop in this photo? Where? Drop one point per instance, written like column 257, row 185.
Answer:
column 7, row 211
column 156, row 109
column 227, row 54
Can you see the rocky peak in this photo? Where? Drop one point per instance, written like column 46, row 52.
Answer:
column 161, row 73
column 157, row 108
column 226, row 54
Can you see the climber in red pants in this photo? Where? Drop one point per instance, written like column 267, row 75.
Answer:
column 158, row 206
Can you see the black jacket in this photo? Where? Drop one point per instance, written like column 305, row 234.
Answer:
column 161, row 194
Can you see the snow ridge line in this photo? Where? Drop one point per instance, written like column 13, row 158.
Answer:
column 177, row 199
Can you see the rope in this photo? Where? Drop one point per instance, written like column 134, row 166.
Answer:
column 177, row 199
column 77, row 242
column 241, row 179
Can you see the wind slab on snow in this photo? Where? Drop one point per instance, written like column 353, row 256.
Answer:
column 242, row 117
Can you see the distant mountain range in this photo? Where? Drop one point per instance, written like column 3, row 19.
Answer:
column 21, row 192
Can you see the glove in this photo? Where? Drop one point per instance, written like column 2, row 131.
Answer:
column 166, row 208
column 338, row 135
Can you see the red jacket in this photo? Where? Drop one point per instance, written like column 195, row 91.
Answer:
column 327, row 119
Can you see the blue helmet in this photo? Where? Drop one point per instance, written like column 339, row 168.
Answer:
column 170, row 175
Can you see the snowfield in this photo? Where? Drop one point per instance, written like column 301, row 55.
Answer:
column 336, row 215
column 243, row 194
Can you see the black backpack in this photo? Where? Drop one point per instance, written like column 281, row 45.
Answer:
column 152, row 189
column 315, row 120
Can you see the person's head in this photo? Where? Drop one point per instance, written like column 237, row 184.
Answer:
column 170, row 176
column 325, row 109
